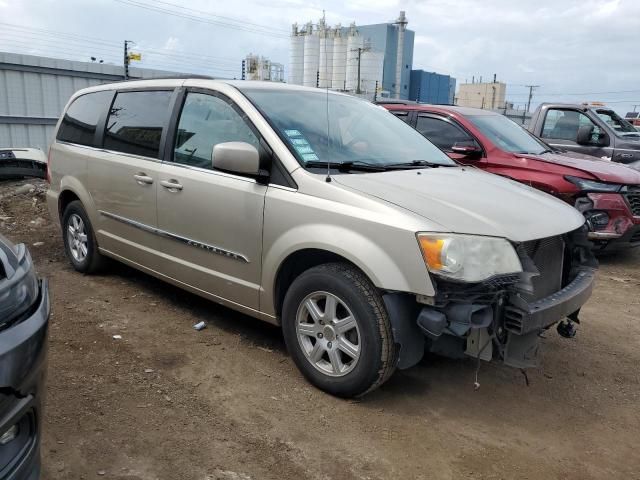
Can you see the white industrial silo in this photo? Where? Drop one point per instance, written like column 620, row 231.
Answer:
column 339, row 71
column 326, row 57
column 354, row 42
column 311, row 57
column 296, row 59
column 371, row 65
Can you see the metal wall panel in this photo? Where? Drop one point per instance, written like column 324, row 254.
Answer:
column 34, row 91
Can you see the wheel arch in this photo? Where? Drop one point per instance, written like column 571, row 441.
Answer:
column 298, row 262
column 72, row 189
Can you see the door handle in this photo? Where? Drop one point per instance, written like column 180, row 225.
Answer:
column 171, row 185
column 143, row 179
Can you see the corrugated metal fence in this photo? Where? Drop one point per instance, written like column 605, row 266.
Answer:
column 34, row 91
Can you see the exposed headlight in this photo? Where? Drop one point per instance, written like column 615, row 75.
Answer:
column 469, row 258
column 592, row 185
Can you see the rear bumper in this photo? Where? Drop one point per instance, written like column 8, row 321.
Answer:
column 23, row 354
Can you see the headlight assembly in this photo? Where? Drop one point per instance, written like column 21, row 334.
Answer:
column 592, row 185
column 468, row 258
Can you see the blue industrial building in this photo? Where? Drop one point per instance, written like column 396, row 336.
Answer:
column 431, row 87
column 383, row 37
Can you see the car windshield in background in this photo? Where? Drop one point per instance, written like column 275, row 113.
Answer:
column 508, row 135
column 619, row 125
column 360, row 133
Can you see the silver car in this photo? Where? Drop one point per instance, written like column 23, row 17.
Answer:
column 319, row 212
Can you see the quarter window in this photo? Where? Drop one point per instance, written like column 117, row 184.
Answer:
column 81, row 118
column 205, row 121
column 443, row 134
column 135, row 122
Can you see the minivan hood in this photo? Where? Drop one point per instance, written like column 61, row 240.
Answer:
column 467, row 200
column 604, row 170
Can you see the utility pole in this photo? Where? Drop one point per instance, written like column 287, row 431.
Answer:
column 635, row 106
column 126, row 59
column 531, row 88
column 358, row 91
column 360, row 51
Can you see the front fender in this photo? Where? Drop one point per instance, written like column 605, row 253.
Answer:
column 384, row 267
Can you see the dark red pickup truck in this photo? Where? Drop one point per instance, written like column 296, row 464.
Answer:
column 607, row 193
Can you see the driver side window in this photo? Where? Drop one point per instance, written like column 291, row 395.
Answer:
column 564, row 125
column 205, row 121
column 443, row 134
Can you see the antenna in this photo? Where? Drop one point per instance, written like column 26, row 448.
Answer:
column 326, row 85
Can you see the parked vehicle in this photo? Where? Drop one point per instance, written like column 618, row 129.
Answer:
column 608, row 194
column 24, row 321
column 590, row 129
column 318, row 212
column 22, row 162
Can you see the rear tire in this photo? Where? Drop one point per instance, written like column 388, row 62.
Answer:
column 79, row 240
column 337, row 330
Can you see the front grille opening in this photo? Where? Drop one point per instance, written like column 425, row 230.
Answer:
column 634, row 202
column 548, row 255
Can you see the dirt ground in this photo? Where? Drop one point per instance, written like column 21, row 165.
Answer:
column 168, row 402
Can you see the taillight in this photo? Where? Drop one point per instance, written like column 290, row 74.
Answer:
column 49, row 166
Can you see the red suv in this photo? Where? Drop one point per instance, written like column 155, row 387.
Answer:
column 608, row 194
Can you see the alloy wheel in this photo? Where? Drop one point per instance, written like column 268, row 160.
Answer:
column 77, row 238
column 328, row 334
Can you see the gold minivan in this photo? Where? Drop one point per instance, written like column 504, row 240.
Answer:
column 319, row 212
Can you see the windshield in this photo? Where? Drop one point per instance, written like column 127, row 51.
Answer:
column 618, row 124
column 508, row 135
column 359, row 131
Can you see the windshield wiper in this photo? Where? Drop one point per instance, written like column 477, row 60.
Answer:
column 348, row 165
column 417, row 164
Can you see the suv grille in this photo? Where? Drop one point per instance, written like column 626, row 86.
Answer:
column 633, row 197
column 548, row 256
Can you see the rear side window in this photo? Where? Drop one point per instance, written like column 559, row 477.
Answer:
column 81, row 118
column 135, row 122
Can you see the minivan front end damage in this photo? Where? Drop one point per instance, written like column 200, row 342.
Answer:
column 504, row 316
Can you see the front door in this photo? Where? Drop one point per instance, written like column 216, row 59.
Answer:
column 560, row 130
column 211, row 220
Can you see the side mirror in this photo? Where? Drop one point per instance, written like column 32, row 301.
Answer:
column 584, row 135
column 469, row 150
column 236, row 157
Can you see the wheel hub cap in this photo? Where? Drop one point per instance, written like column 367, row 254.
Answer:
column 77, row 238
column 328, row 334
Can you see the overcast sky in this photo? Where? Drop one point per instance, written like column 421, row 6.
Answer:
column 576, row 50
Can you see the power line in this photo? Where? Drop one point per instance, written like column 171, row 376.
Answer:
column 167, row 11
column 580, row 94
column 103, row 45
column 243, row 22
column 170, row 65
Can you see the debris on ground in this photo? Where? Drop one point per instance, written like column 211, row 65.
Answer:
column 200, row 325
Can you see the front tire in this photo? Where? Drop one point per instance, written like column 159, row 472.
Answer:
column 337, row 330
column 79, row 239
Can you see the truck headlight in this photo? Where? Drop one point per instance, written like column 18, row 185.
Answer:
column 592, row 185
column 469, row 258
